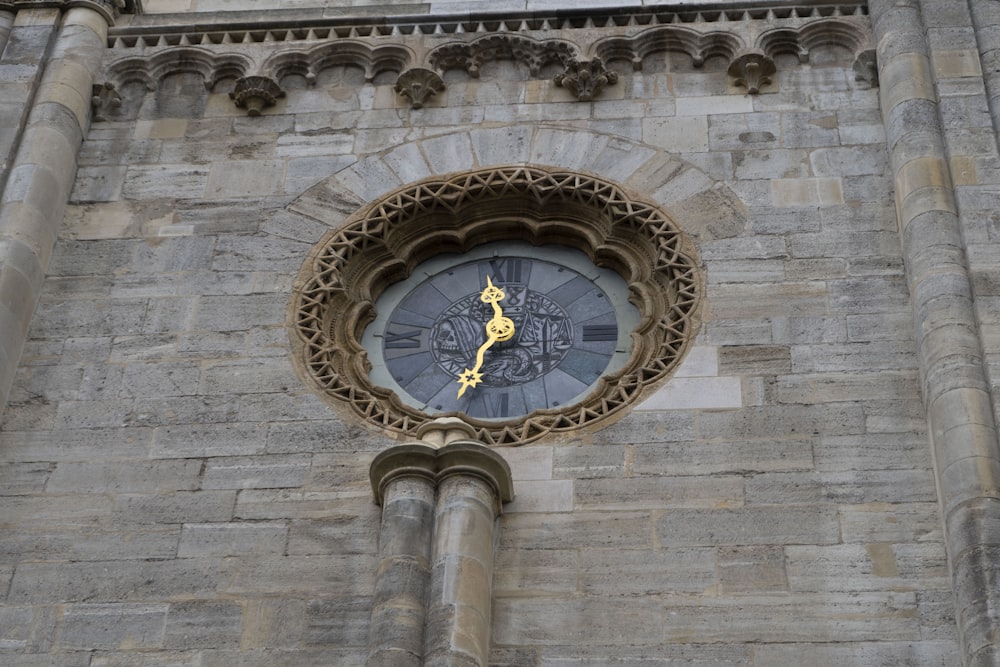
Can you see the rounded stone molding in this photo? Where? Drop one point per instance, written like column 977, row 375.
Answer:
column 425, row 461
column 335, row 292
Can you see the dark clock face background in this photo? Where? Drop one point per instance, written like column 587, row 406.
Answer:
column 572, row 324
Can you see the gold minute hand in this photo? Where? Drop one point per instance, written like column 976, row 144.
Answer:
column 499, row 328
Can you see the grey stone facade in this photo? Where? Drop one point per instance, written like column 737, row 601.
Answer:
column 817, row 483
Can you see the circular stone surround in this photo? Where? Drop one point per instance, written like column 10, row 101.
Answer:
column 334, row 295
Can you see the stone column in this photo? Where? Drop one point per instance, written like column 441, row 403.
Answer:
column 41, row 175
column 475, row 482
column 955, row 387
column 28, row 42
column 404, row 480
column 433, row 587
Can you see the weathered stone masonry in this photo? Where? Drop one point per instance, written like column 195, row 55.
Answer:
column 41, row 173
column 808, row 476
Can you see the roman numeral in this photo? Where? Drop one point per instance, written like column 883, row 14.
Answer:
column 600, row 332
column 496, row 405
column 401, row 341
column 506, row 270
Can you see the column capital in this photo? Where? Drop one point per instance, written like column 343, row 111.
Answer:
column 461, row 457
column 410, row 459
column 109, row 9
column 469, row 457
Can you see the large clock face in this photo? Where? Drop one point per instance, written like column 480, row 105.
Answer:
column 572, row 323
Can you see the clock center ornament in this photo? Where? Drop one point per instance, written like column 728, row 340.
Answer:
column 523, row 300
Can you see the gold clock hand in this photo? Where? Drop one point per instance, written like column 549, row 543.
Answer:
column 499, row 328
column 493, row 296
column 472, row 377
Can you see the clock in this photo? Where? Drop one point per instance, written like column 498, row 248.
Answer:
column 524, row 300
column 568, row 323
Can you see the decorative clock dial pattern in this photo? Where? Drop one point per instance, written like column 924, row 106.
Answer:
column 566, row 331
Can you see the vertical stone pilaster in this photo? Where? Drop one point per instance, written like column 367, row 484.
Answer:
column 404, row 481
column 41, row 175
column 470, row 495
column 433, row 591
column 956, row 390
column 28, row 41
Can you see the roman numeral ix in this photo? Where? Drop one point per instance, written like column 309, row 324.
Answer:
column 401, row 341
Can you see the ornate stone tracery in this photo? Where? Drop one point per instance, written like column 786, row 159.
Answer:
column 212, row 67
column 336, row 290
column 384, row 50
column 470, row 56
column 309, row 63
column 698, row 45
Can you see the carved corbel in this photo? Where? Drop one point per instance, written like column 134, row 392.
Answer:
column 103, row 99
column 419, row 84
column 586, row 78
column 866, row 68
column 752, row 69
column 254, row 93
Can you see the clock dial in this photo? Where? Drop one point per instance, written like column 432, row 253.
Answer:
column 571, row 320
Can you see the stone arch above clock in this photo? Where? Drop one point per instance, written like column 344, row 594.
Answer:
column 706, row 208
column 380, row 229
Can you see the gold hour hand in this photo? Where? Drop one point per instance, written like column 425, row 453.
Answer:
column 470, row 377
column 499, row 328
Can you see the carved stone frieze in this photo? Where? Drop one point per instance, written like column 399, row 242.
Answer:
column 419, row 84
column 311, row 62
column 823, row 33
column 783, row 41
column 586, row 78
column 798, row 36
column 213, row 67
column 470, row 56
column 348, row 269
column 752, row 69
column 385, row 50
column 255, row 93
column 698, row 45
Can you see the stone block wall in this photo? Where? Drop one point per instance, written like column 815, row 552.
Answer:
column 173, row 493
